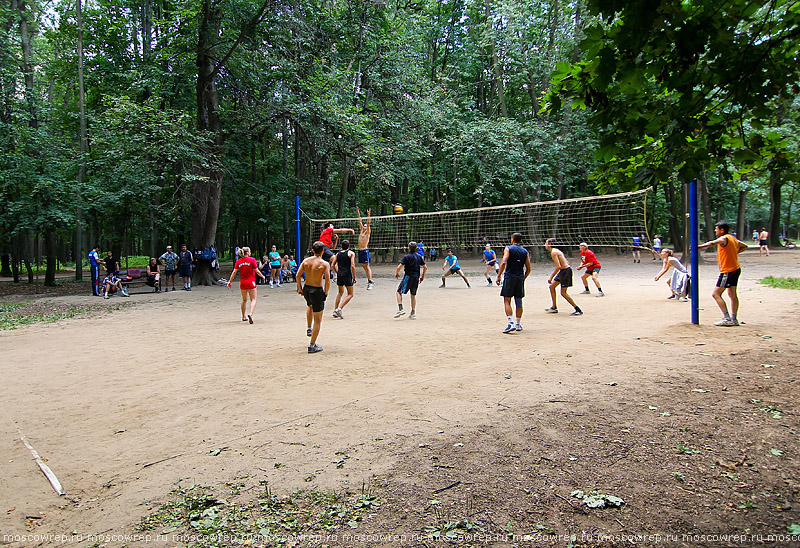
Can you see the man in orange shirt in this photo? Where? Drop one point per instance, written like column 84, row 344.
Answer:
column 728, row 249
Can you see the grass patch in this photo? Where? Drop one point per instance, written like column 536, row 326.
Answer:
column 196, row 513
column 781, row 283
column 13, row 315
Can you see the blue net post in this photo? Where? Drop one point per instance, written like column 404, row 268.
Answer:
column 299, row 258
column 694, row 229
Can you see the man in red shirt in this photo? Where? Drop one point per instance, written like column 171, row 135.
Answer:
column 589, row 260
column 329, row 238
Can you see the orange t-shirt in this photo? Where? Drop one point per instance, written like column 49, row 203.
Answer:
column 728, row 255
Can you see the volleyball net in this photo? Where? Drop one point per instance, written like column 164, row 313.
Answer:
column 601, row 221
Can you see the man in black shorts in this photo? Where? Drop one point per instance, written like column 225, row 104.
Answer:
column 315, row 269
column 344, row 266
column 562, row 275
column 412, row 262
column 516, row 264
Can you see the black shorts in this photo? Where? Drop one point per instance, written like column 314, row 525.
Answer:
column 762, row 242
column 364, row 256
column 564, row 277
column 513, row 287
column 315, row 297
column 344, row 279
column 729, row 279
column 275, row 266
column 327, row 253
column 593, row 270
column 186, row 271
column 408, row 284
column 169, row 272
column 454, row 269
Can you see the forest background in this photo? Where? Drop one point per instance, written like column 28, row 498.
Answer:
column 140, row 123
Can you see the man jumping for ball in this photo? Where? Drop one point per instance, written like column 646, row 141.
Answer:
column 364, row 257
column 562, row 274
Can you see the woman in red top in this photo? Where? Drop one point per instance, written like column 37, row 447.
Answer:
column 248, row 267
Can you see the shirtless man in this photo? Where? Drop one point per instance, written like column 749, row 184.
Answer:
column 763, row 242
column 363, row 245
column 315, row 269
column 562, row 274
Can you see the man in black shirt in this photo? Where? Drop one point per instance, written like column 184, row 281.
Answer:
column 413, row 262
column 516, row 264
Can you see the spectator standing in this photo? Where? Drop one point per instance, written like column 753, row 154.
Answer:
column 169, row 259
column 185, row 267
column 94, row 269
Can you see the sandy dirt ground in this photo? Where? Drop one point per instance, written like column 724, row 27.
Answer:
column 123, row 406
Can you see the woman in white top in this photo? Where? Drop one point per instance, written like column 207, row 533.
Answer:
column 679, row 282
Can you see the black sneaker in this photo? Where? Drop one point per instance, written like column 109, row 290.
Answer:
column 578, row 312
column 314, row 348
column 551, row 310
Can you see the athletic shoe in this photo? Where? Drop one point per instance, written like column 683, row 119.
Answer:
column 399, row 313
column 166, row 289
column 601, row 294
column 188, row 289
column 518, row 327
column 585, row 292
column 735, row 322
column 726, row 322
column 105, row 296
column 509, row 328
column 489, row 284
column 369, row 286
column 441, row 286
column 551, row 310
column 337, row 313
column 314, row 348
column 173, row 288
column 683, row 299
column 577, row 313
column 308, row 332
column 278, row 285
column 412, row 316
column 270, row 285
column 671, row 296
column 250, row 318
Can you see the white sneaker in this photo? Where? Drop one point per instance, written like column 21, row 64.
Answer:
column 369, row 286
column 399, row 313
column 270, row 285
column 518, row 327
column 585, row 292
column 412, row 316
column 509, row 328
column 278, row 285
column 726, row 322
column 683, row 299
column 601, row 294
column 337, row 313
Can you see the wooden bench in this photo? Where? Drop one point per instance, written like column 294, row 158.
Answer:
column 136, row 277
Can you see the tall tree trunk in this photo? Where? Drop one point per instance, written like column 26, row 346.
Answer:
column 740, row 215
column 708, row 229
column 498, row 87
column 775, row 186
column 77, row 244
column 674, row 216
column 345, row 184
column 51, row 252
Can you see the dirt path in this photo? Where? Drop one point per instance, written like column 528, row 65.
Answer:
column 125, row 405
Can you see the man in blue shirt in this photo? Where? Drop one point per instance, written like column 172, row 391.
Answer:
column 451, row 265
column 413, row 263
column 516, row 265
column 94, row 268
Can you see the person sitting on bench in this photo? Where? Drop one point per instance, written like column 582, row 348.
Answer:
column 154, row 275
